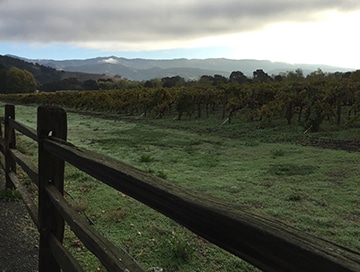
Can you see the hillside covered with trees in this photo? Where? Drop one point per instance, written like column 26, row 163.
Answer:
column 33, row 76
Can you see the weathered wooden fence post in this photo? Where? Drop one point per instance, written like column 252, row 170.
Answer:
column 51, row 122
column 9, row 142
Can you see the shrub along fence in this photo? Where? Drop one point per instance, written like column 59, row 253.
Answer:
column 265, row 243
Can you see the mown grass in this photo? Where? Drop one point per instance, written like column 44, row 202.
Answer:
column 266, row 171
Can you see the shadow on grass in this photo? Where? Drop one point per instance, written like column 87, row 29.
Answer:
column 289, row 169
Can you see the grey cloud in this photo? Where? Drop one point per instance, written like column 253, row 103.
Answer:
column 148, row 20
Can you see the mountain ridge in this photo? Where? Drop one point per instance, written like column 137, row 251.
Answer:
column 191, row 69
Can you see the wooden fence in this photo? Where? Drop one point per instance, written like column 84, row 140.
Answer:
column 267, row 244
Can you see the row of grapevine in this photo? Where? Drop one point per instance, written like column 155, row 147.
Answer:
column 309, row 101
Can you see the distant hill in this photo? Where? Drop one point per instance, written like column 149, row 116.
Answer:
column 42, row 73
column 144, row 69
column 45, row 70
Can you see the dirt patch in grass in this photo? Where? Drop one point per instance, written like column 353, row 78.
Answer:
column 339, row 174
column 348, row 145
column 289, row 169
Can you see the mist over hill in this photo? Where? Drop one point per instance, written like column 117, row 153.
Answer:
column 145, row 69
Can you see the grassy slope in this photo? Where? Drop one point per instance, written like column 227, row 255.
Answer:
column 264, row 171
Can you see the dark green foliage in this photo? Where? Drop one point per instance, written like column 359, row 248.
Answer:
column 90, row 84
column 19, row 81
column 277, row 152
column 10, row 195
column 260, row 76
column 174, row 81
column 161, row 174
column 146, row 158
column 2, row 78
column 219, row 80
column 179, row 248
column 64, row 84
column 238, row 77
column 294, row 197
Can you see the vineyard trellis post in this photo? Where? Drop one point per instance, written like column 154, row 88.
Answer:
column 51, row 122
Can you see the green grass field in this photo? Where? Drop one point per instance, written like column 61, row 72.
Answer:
column 266, row 171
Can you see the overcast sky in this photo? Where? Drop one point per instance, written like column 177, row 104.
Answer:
column 295, row 31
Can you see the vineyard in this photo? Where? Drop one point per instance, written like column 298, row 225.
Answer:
column 310, row 101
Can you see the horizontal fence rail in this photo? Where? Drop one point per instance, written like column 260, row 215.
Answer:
column 265, row 243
